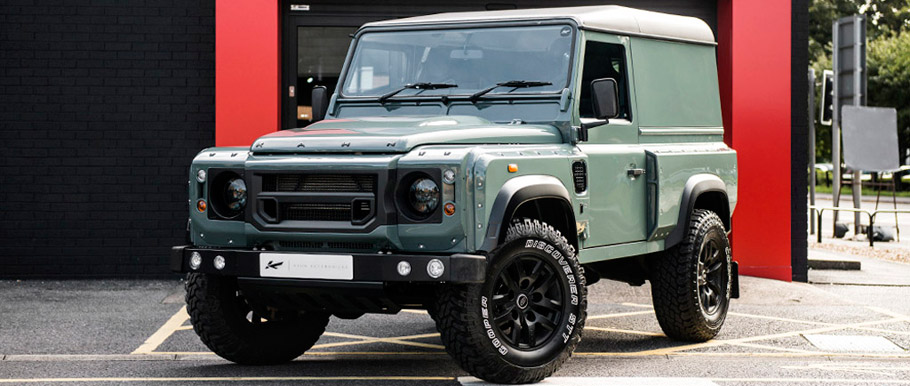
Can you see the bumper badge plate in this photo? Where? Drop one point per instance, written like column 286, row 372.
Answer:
column 306, row 266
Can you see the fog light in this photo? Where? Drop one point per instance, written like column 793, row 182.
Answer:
column 195, row 260
column 200, row 176
column 200, row 205
column 404, row 268
column 435, row 268
column 219, row 262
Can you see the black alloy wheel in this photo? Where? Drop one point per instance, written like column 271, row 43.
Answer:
column 527, row 302
column 712, row 280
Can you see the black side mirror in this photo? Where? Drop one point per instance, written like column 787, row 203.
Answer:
column 605, row 97
column 320, row 103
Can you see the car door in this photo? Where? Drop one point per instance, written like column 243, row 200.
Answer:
column 617, row 209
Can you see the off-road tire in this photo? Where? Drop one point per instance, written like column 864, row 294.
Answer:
column 675, row 288
column 485, row 350
column 219, row 317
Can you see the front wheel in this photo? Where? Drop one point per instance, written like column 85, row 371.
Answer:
column 525, row 320
column 691, row 282
column 229, row 326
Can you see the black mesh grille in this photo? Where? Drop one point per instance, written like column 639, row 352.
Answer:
column 332, row 183
column 316, row 212
column 580, row 175
column 348, row 245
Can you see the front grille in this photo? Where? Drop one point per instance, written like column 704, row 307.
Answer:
column 310, row 200
column 346, row 245
column 315, row 183
column 316, row 212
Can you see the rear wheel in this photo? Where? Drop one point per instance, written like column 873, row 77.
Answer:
column 525, row 320
column 690, row 282
column 229, row 326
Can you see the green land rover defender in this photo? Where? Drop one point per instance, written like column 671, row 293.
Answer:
column 485, row 167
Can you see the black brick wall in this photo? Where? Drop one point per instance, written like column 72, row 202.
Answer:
column 799, row 139
column 103, row 104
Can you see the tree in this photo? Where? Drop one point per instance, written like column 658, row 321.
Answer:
column 889, row 80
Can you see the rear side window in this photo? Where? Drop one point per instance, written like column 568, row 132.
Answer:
column 675, row 84
column 604, row 60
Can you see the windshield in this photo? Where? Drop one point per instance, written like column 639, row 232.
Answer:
column 471, row 59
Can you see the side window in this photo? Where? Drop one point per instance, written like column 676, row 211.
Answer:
column 604, row 60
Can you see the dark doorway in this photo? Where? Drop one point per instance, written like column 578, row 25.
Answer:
column 314, row 48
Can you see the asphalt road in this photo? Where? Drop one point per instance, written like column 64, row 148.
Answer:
column 136, row 333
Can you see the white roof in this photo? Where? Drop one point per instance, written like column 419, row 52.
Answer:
column 610, row 18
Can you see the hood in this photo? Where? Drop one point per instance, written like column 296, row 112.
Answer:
column 400, row 134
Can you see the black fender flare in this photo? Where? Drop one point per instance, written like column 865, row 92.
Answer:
column 515, row 192
column 696, row 186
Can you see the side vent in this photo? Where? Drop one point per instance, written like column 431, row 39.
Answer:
column 651, row 176
column 580, row 176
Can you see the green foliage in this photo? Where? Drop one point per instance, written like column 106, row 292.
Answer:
column 888, row 59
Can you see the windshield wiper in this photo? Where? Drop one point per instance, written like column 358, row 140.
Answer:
column 511, row 83
column 417, row 86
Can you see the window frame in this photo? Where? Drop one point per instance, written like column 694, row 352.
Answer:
column 590, row 36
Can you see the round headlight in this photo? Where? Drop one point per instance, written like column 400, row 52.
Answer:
column 235, row 194
column 424, row 196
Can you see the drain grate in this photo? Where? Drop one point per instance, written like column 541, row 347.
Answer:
column 853, row 343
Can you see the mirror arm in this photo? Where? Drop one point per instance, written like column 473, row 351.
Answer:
column 591, row 125
column 585, row 127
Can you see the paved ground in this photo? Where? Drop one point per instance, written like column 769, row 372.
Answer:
column 137, row 332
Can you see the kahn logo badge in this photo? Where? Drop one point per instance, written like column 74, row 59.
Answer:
column 273, row 265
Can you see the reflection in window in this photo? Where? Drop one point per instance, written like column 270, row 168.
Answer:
column 473, row 58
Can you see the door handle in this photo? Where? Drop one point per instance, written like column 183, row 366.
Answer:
column 635, row 173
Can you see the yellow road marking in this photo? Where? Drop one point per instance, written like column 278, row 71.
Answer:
column 424, row 312
column 403, row 340
column 166, row 330
column 182, row 328
column 619, row 315
column 767, row 347
column 222, row 379
column 781, row 354
column 633, row 332
column 812, row 380
column 888, row 312
column 857, row 368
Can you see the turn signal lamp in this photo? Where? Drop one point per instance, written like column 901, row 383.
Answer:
column 201, row 205
column 513, row 168
column 449, row 209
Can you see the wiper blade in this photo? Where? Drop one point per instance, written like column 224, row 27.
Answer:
column 418, row 86
column 511, row 83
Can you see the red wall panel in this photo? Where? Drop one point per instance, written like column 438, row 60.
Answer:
column 247, row 76
column 754, row 63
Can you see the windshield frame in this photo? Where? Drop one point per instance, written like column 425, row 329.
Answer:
column 525, row 93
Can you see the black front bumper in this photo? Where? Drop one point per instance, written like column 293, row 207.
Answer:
column 368, row 267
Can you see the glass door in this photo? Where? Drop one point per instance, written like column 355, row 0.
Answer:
column 314, row 49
